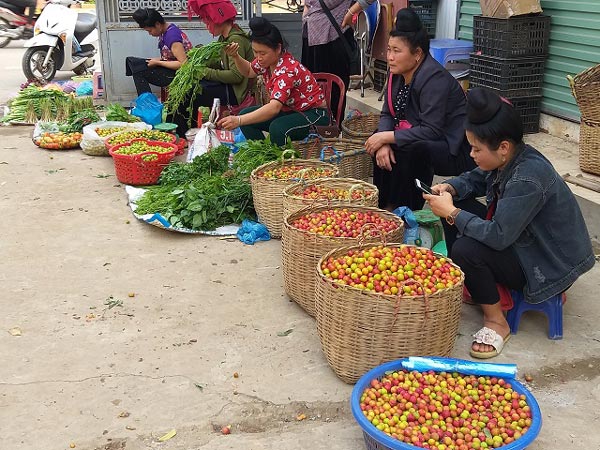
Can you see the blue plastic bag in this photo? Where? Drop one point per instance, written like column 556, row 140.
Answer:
column 85, row 88
column 148, row 108
column 411, row 226
column 251, row 232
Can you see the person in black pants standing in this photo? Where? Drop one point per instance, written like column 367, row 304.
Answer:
column 173, row 45
column 530, row 237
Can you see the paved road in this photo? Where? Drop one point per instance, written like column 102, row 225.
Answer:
column 11, row 76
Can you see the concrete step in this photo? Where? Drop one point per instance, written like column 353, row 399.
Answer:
column 562, row 153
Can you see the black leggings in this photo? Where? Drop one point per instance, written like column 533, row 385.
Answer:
column 483, row 266
column 157, row 76
column 210, row 91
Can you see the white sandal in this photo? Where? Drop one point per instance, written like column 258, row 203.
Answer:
column 488, row 336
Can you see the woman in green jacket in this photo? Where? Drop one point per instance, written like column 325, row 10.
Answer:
column 222, row 80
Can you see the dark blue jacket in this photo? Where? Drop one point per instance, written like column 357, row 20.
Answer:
column 436, row 108
column 537, row 215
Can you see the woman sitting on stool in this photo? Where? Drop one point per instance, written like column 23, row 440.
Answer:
column 297, row 100
column 173, row 45
column 531, row 237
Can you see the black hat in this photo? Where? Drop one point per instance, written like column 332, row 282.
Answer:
column 408, row 21
column 259, row 26
column 482, row 105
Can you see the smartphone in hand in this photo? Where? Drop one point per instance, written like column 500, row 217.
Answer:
column 425, row 188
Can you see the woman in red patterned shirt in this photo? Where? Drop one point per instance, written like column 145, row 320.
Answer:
column 296, row 98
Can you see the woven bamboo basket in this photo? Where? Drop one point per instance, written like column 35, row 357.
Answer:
column 586, row 90
column 349, row 154
column 360, row 127
column 361, row 329
column 292, row 200
column 301, row 251
column 267, row 194
column 589, row 146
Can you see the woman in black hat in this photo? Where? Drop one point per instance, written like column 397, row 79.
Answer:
column 421, row 130
column 531, row 237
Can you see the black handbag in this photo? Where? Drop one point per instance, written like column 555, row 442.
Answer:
column 350, row 45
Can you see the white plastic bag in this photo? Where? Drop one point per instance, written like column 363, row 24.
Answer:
column 93, row 141
column 206, row 138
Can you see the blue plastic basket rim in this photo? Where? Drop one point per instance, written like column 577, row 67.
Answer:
column 395, row 444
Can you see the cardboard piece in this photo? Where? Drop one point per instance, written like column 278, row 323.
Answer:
column 503, row 9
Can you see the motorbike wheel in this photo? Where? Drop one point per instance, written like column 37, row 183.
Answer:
column 4, row 26
column 32, row 64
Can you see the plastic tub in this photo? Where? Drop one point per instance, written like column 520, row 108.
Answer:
column 378, row 440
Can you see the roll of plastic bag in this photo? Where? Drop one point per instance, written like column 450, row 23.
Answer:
column 423, row 364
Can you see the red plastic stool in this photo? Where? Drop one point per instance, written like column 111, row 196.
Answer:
column 553, row 308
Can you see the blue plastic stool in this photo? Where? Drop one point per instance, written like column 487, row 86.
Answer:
column 444, row 50
column 553, row 308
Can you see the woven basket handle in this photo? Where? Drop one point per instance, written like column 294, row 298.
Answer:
column 337, row 155
column 370, row 230
column 357, row 187
column 572, row 86
column 288, row 152
column 304, row 172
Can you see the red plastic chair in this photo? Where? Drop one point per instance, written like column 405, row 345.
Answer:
column 326, row 81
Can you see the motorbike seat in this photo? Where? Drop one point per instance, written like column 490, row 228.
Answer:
column 20, row 10
column 84, row 25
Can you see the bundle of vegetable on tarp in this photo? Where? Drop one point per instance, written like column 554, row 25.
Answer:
column 204, row 195
column 185, row 86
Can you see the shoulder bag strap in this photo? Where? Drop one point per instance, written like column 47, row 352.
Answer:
column 389, row 95
column 337, row 28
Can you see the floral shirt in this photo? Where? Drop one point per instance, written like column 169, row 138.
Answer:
column 291, row 84
column 168, row 38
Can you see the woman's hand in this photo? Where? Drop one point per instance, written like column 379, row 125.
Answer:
column 385, row 157
column 232, row 49
column 444, row 187
column 347, row 20
column 441, row 205
column 378, row 140
column 230, row 122
column 153, row 62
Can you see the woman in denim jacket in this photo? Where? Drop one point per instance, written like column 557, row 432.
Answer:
column 531, row 237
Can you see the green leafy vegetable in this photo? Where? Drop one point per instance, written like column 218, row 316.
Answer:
column 77, row 120
column 203, row 204
column 115, row 112
column 212, row 163
column 252, row 154
column 185, row 85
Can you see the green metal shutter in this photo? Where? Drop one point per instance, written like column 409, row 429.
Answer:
column 574, row 46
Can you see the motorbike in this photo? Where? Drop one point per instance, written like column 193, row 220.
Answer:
column 63, row 39
column 13, row 24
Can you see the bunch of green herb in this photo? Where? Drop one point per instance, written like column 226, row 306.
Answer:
column 185, row 86
column 214, row 162
column 252, row 154
column 115, row 112
column 20, row 105
column 77, row 120
column 202, row 204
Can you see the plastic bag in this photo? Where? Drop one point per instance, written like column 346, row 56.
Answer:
column 148, row 108
column 93, row 141
column 48, row 135
column 251, row 232
column 411, row 229
column 85, row 88
column 207, row 137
